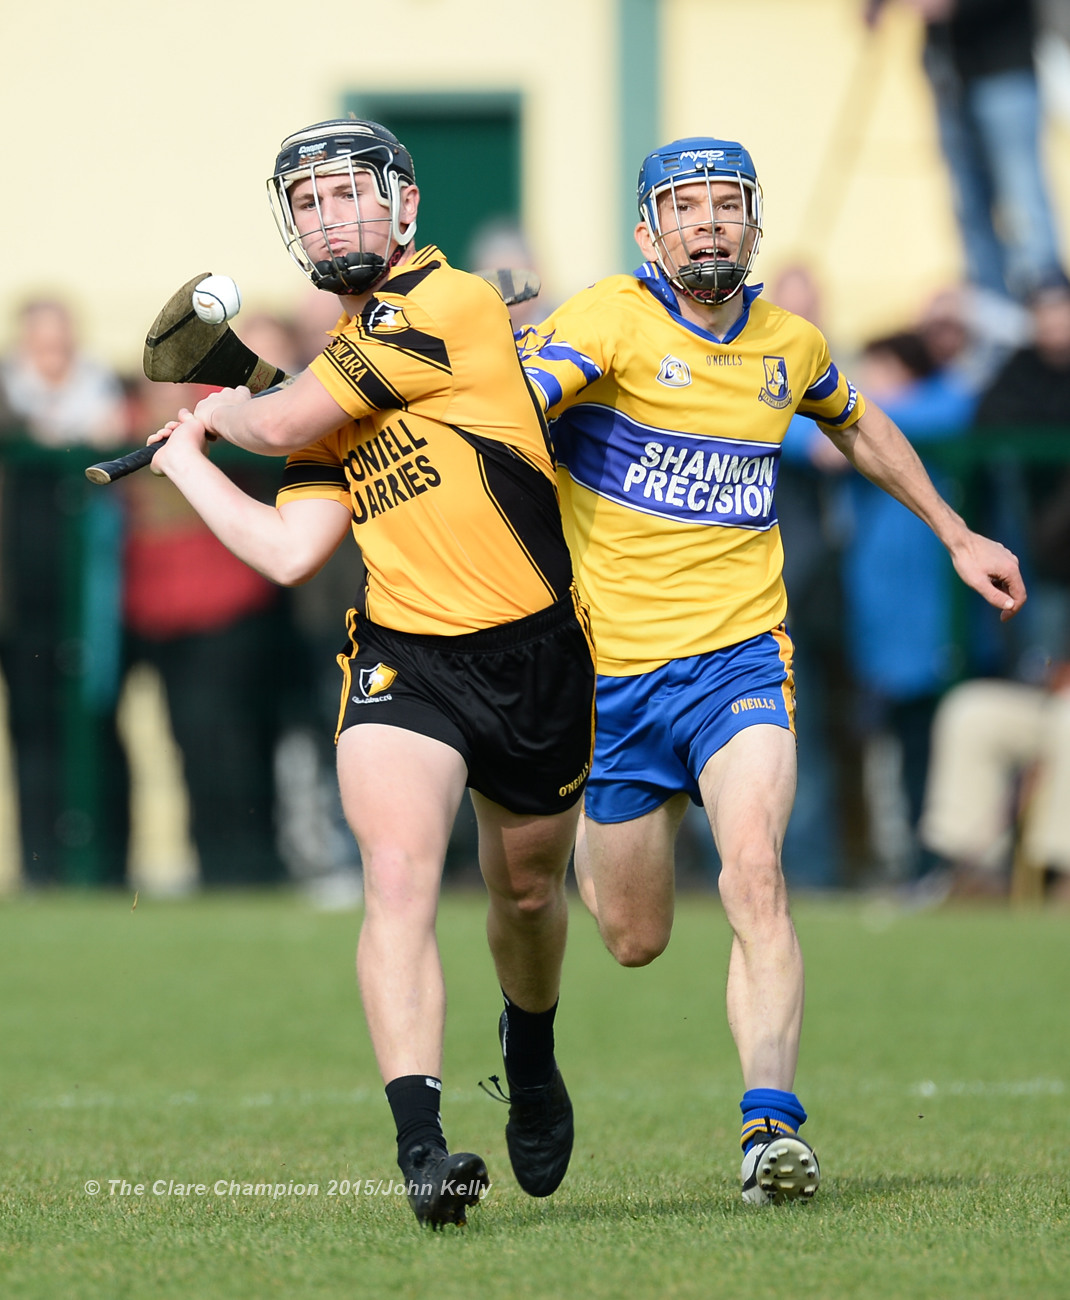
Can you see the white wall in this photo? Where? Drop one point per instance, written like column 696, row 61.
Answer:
column 141, row 135
column 139, row 138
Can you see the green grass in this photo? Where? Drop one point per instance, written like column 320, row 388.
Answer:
column 222, row 1039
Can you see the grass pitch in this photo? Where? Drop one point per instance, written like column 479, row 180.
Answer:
column 220, row 1041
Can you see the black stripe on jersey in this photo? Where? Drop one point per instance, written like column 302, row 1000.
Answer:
column 360, row 602
column 353, row 365
column 408, row 280
column 424, row 347
column 314, row 473
column 540, row 414
column 527, row 502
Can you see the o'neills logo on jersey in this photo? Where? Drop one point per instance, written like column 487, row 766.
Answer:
column 374, row 681
column 674, row 373
column 776, row 391
column 725, row 481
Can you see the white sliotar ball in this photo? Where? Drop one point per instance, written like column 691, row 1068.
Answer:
column 216, row 299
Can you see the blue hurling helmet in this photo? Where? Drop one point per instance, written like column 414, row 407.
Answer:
column 722, row 265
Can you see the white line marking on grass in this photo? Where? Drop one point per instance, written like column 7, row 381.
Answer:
column 991, row 1088
column 149, row 1097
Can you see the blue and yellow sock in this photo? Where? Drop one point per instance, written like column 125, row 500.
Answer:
column 766, row 1109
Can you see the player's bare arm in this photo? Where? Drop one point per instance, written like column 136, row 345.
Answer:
column 877, row 448
column 280, row 421
column 287, row 544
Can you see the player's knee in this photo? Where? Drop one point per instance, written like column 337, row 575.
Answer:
column 535, row 902
column 632, row 951
column 634, row 945
column 396, row 884
column 530, row 897
column 752, row 882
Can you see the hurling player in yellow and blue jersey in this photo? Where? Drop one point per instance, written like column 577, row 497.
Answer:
column 670, row 391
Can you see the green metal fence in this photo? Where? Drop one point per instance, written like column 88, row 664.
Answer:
column 87, row 592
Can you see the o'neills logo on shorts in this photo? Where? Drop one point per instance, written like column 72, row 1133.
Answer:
column 754, row 702
column 575, row 784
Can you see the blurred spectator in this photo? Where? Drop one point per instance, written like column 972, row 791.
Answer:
column 65, row 397
column 500, row 244
column 1001, row 754
column 1001, row 749
column 59, row 555
column 1032, row 498
column 897, row 580
column 825, row 826
column 314, row 840
column 965, row 341
column 979, row 58
column 209, row 624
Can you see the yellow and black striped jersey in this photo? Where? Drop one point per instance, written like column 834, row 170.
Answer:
column 446, row 465
column 668, row 440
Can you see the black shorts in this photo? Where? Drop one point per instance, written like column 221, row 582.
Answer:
column 516, row 701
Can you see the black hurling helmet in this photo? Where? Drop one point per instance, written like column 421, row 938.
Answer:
column 336, row 148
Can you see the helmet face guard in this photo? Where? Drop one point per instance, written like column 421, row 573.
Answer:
column 706, row 162
column 342, row 147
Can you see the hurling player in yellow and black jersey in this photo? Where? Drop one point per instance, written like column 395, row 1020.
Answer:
column 669, row 393
column 469, row 662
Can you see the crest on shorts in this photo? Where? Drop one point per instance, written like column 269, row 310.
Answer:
column 674, row 373
column 776, row 392
column 373, row 681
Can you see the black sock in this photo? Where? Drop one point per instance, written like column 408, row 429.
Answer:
column 415, row 1100
column 529, row 1045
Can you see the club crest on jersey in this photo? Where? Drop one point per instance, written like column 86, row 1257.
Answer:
column 385, row 318
column 776, row 392
column 373, row 681
column 674, row 372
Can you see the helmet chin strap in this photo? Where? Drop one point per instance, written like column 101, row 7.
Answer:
column 354, row 273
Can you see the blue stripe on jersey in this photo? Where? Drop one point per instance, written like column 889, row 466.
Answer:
column 845, row 414
column 823, row 387
column 562, row 352
column 679, row 476
column 546, row 383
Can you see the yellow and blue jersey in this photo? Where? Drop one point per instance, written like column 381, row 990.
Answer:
column 668, row 443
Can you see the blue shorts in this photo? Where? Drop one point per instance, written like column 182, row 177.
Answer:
column 655, row 732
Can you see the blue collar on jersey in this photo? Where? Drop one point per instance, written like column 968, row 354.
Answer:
column 654, row 278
